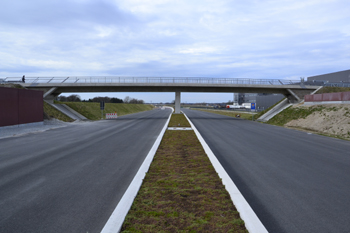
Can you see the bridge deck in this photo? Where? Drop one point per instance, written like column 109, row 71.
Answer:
column 156, row 80
column 160, row 84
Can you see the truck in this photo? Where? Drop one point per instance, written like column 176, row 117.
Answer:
column 236, row 106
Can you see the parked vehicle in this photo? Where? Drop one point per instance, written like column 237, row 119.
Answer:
column 236, row 106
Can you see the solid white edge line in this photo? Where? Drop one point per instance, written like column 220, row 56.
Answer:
column 252, row 222
column 116, row 220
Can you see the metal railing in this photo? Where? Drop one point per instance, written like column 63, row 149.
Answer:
column 155, row 80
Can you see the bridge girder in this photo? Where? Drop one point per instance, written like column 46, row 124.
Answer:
column 51, row 90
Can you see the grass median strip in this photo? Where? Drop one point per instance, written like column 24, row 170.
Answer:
column 181, row 191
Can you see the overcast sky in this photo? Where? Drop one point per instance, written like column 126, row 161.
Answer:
column 178, row 38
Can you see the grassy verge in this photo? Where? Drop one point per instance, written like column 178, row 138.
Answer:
column 182, row 192
column 293, row 114
column 11, row 85
column 242, row 115
column 92, row 110
column 54, row 113
column 333, row 89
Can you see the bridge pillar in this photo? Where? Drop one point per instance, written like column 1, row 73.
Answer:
column 177, row 102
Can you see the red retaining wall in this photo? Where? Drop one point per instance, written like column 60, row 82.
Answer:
column 20, row 106
column 339, row 96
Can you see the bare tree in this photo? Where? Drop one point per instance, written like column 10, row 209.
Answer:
column 127, row 99
column 74, row 98
column 62, row 98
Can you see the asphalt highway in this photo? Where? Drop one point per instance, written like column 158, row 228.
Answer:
column 294, row 181
column 71, row 179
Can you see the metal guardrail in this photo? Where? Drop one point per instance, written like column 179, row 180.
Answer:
column 126, row 79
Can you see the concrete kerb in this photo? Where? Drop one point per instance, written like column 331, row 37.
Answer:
column 116, row 220
column 252, row 222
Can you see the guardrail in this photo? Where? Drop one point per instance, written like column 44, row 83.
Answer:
column 126, row 79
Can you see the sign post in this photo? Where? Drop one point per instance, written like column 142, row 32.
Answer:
column 102, row 107
column 252, row 106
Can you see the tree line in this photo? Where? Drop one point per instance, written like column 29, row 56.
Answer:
column 106, row 99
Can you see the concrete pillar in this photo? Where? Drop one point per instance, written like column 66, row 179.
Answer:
column 177, row 102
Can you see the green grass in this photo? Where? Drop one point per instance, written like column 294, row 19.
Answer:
column 92, row 111
column 293, row 114
column 243, row 115
column 54, row 113
column 333, row 90
column 11, row 85
column 229, row 113
column 182, row 192
column 178, row 120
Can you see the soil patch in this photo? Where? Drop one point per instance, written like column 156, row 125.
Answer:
column 331, row 119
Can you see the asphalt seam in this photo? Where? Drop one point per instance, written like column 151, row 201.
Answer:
column 252, row 222
column 116, row 220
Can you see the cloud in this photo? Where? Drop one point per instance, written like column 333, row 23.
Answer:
column 211, row 38
column 58, row 14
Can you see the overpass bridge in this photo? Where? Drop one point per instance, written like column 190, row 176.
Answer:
column 54, row 86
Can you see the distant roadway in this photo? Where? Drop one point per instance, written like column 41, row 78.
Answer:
column 294, row 181
column 70, row 179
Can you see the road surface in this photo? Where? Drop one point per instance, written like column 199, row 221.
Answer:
column 294, row 181
column 70, row 179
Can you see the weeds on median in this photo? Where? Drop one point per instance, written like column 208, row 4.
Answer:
column 182, row 192
column 178, row 120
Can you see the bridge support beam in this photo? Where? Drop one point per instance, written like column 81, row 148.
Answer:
column 293, row 97
column 177, row 102
column 49, row 96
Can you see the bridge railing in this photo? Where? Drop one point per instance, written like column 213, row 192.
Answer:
column 155, row 80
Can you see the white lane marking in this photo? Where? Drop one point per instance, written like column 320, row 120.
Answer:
column 115, row 221
column 252, row 222
column 179, row 128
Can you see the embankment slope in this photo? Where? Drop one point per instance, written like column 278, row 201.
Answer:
column 328, row 119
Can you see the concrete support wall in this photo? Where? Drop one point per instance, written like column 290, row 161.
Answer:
column 20, row 106
column 177, row 102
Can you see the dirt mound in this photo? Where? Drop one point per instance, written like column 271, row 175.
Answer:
column 332, row 119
